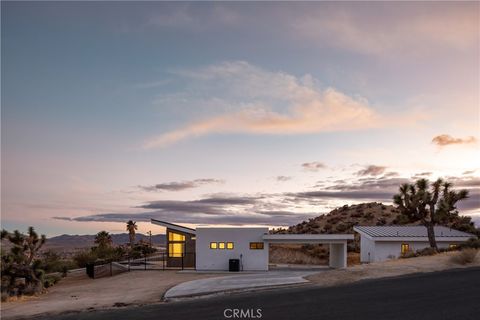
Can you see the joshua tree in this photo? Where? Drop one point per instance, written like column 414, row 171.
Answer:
column 131, row 227
column 103, row 239
column 429, row 203
column 20, row 261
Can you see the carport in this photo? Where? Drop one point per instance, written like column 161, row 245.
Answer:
column 337, row 244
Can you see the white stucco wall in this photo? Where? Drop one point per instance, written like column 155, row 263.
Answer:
column 384, row 250
column 217, row 259
column 367, row 250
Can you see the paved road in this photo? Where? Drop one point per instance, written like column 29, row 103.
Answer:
column 442, row 295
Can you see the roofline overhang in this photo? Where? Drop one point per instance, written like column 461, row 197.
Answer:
column 419, row 239
column 173, row 226
column 307, row 238
column 412, row 239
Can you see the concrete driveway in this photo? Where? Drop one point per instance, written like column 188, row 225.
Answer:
column 239, row 282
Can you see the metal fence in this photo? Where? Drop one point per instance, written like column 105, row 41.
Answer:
column 160, row 261
column 156, row 261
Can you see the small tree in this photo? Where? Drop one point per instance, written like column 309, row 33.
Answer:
column 430, row 204
column 20, row 262
column 131, row 227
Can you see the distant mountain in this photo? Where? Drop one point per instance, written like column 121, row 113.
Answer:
column 68, row 242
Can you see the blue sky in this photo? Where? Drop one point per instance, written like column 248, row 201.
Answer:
column 103, row 101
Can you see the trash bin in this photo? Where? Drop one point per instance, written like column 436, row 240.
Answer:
column 234, row 265
column 90, row 270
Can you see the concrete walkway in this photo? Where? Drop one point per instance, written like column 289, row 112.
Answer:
column 238, row 282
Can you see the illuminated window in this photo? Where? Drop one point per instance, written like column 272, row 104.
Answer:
column 230, row 245
column 213, row 245
column 256, row 245
column 221, row 245
column 452, row 246
column 172, row 236
column 175, row 250
column 405, row 248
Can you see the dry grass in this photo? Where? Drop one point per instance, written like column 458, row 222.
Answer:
column 292, row 255
column 465, row 256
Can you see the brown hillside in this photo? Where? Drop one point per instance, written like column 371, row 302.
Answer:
column 343, row 219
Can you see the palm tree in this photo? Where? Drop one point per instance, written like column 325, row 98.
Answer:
column 131, row 227
column 103, row 239
column 430, row 204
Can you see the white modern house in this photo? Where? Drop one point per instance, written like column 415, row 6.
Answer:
column 210, row 248
column 380, row 243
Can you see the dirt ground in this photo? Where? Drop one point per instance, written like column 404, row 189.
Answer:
column 77, row 292
column 389, row 268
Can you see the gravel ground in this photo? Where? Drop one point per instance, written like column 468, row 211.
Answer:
column 77, row 292
column 390, row 268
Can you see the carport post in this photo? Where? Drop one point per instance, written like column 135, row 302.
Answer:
column 338, row 255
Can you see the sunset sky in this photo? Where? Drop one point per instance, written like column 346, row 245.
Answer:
column 231, row 113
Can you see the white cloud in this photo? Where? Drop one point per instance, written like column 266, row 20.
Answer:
column 258, row 101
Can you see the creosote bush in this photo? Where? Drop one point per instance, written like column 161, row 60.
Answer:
column 465, row 256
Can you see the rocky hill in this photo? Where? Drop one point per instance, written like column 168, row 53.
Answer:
column 343, row 219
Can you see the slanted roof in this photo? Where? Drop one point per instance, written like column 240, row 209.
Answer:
column 307, row 238
column 173, row 226
column 416, row 232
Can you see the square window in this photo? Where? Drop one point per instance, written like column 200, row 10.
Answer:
column 213, row 245
column 172, row 236
column 175, row 250
column 256, row 245
column 230, row 245
column 221, row 245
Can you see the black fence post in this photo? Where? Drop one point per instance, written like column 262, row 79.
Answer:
column 163, row 258
column 128, row 263
column 182, row 259
column 145, row 261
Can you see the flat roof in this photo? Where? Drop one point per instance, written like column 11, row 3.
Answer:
column 173, row 226
column 409, row 232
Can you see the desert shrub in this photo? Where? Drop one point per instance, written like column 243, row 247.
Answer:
column 51, row 261
column 465, row 256
column 426, row 252
column 357, row 214
column 50, row 280
column 401, row 219
column 471, row 243
column 81, row 258
column 368, row 216
column 342, row 227
column 334, row 220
